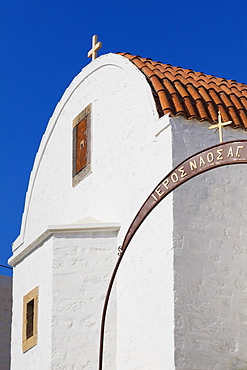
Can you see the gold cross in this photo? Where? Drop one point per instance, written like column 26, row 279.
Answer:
column 219, row 126
column 95, row 47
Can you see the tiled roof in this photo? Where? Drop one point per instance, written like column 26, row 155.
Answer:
column 180, row 91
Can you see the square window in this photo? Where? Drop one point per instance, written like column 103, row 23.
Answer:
column 30, row 319
column 81, row 145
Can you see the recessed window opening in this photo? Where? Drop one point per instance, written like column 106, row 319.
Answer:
column 30, row 319
column 81, row 145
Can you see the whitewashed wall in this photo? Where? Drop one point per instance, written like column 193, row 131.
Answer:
column 210, row 257
column 5, row 320
column 81, row 266
column 35, row 270
column 131, row 153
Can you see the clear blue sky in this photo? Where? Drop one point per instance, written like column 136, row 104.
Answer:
column 44, row 44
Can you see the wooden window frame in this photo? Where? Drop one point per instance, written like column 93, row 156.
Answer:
column 32, row 340
column 79, row 176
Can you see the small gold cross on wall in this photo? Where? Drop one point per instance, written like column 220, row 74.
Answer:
column 95, row 47
column 219, row 126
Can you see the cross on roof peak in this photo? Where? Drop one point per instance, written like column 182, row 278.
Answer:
column 95, row 47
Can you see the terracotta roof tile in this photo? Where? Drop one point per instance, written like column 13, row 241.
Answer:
column 180, row 91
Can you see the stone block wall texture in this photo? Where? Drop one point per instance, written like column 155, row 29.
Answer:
column 5, row 320
column 210, row 278
column 81, row 269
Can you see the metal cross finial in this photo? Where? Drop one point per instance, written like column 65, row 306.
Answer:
column 95, row 47
column 219, row 126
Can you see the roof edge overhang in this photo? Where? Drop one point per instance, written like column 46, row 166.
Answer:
column 193, row 95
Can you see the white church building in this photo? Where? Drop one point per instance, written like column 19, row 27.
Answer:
column 179, row 300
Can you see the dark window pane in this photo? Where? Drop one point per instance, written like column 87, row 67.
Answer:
column 30, row 319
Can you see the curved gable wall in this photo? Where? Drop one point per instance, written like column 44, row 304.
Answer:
column 123, row 112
